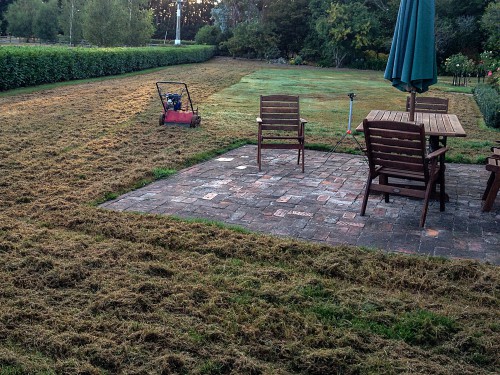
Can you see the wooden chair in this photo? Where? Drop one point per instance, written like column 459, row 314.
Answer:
column 397, row 150
column 428, row 104
column 280, row 125
column 493, row 184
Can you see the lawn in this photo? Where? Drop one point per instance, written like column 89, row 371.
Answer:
column 97, row 292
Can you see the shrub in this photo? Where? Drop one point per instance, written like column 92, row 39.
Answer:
column 488, row 100
column 297, row 60
column 251, row 40
column 30, row 66
column 210, row 35
column 371, row 60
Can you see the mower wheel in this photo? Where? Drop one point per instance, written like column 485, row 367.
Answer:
column 162, row 117
column 195, row 121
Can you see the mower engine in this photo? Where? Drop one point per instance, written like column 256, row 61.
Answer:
column 173, row 101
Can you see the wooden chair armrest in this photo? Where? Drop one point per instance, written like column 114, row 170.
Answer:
column 438, row 152
column 303, row 121
column 259, row 120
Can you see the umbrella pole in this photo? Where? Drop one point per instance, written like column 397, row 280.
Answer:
column 412, row 104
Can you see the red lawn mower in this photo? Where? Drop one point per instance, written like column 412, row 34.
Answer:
column 172, row 95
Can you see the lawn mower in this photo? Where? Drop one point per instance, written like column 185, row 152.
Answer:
column 175, row 112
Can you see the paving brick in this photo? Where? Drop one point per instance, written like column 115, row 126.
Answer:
column 323, row 204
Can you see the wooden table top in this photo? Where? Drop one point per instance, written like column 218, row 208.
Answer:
column 436, row 124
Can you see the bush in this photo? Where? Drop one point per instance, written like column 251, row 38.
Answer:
column 488, row 100
column 297, row 60
column 251, row 40
column 30, row 66
column 210, row 35
column 371, row 60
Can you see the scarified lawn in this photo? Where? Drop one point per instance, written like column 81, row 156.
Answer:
column 91, row 291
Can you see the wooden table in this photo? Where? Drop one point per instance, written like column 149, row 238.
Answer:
column 438, row 126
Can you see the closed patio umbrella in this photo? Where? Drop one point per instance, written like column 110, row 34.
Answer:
column 411, row 66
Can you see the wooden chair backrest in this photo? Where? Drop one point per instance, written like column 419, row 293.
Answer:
column 428, row 104
column 280, row 112
column 397, row 145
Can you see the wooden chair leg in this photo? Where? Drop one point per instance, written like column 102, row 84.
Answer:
column 428, row 192
column 303, row 155
column 259, row 156
column 384, row 180
column 442, row 193
column 488, row 185
column 367, row 193
column 493, row 191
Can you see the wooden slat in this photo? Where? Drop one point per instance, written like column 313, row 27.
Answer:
column 282, row 98
column 278, row 137
column 398, row 126
column 279, row 105
column 398, row 165
column 281, row 146
column 266, row 117
column 278, row 127
column 398, row 142
column 412, row 159
column 429, row 104
column 271, row 110
column 433, row 123
column 413, row 175
column 458, row 130
column 394, row 133
column 396, row 150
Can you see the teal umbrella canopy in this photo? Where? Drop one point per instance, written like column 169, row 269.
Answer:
column 412, row 61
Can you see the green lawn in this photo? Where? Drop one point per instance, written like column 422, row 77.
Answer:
column 325, row 104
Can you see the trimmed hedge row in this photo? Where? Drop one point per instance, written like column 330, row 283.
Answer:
column 30, row 66
column 488, row 100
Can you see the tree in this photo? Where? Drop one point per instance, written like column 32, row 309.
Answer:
column 350, row 27
column 194, row 15
column 104, row 22
column 210, row 35
column 139, row 23
column 490, row 23
column 289, row 19
column 20, row 16
column 45, row 21
column 3, row 7
column 71, row 19
column 252, row 39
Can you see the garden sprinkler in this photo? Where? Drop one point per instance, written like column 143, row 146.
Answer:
column 351, row 96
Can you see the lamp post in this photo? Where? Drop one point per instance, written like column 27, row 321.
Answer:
column 72, row 14
column 178, row 28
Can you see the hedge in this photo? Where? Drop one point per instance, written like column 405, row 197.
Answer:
column 488, row 100
column 30, row 66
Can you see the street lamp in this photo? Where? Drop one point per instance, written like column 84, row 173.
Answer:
column 72, row 14
column 178, row 28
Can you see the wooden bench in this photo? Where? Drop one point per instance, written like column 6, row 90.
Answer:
column 493, row 185
column 428, row 104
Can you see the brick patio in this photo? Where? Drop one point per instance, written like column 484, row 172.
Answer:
column 323, row 204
